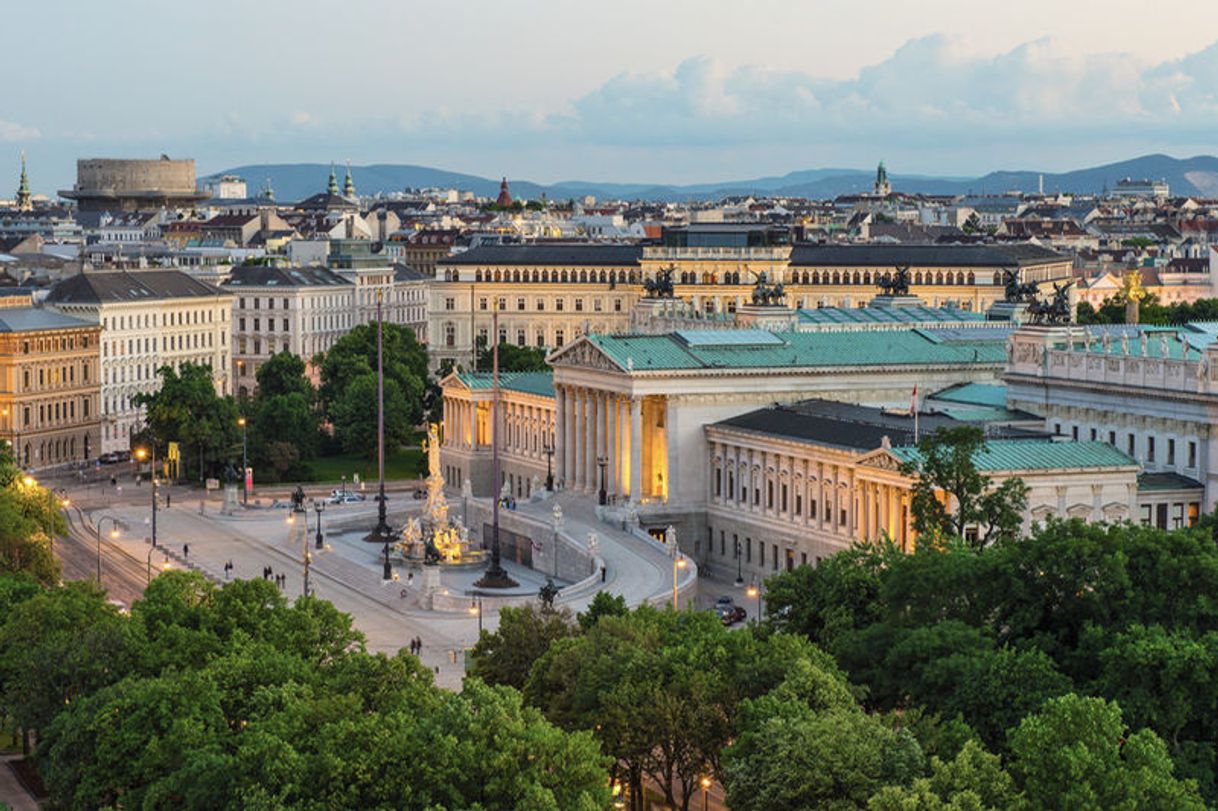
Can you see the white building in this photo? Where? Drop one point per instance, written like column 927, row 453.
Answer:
column 149, row 319
column 285, row 309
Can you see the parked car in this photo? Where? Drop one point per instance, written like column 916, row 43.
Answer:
column 731, row 614
column 352, row 498
column 110, row 458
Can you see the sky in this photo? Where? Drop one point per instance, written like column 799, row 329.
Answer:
column 662, row 91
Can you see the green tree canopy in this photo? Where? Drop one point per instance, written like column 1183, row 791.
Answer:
column 506, row 655
column 354, row 356
column 186, row 409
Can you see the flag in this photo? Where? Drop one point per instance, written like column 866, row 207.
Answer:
column 913, row 403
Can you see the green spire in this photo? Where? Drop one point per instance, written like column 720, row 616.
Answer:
column 268, row 191
column 332, row 186
column 349, row 183
column 24, row 202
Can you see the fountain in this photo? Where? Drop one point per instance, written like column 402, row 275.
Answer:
column 434, row 539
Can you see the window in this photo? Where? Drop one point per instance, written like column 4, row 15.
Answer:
column 1112, row 438
column 502, row 304
column 450, row 335
column 1192, row 453
column 520, row 337
column 285, row 326
column 799, row 504
column 1094, row 434
column 241, row 323
column 1171, row 451
column 257, row 302
column 1074, row 433
column 718, row 482
column 596, row 305
column 812, row 508
column 617, row 305
column 519, row 304
column 482, row 303
column 1131, row 444
column 541, row 305
column 774, row 556
column 257, row 324
column 1057, row 429
column 748, row 550
column 450, row 304
column 842, row 517
column 558, row 304
column 558, row 337
column 579, row 305
column 1150, row 449
column 782, row 506
column 731, row 485
column 270, row 304
column 769, row 495
column 761, row 553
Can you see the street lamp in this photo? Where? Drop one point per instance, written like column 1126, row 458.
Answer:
column 475, row 608
column 245, row 481
column 705, row 782
column 602, row 462
column 739, row 573
column 548, row 450
column 114, row 525
column 319, row 506
column 142, row 454
column 678, row 562
column 166, row 566
column 754, row 590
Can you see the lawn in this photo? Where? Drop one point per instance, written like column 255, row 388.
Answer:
column 405, row 464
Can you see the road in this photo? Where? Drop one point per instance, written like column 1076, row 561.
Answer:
column 123, row 574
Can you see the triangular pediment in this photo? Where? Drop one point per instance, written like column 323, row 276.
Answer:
column 880, row 459
column 583, row 353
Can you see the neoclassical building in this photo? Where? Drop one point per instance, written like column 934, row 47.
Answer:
column 549, row 294
column 148, row 319
column 49, row 387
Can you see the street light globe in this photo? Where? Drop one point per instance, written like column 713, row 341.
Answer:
column 241, row 421
column 141, row 454
column 681, row 563
column 473, row 609
column 114, row 533
column 705, row 782
column 752, row 591
column 29, row 481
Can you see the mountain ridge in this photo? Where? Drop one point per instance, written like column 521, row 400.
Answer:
column 1192, row 176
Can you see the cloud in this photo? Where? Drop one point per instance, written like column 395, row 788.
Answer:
column 931, row 91
column 10, row 131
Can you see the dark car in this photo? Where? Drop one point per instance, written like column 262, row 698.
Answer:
column 730, row 613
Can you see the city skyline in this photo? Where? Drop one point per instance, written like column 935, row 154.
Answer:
column 553, row 93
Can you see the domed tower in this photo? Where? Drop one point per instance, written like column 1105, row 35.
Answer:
column 349, row 183
column 24, row 198
column 882, row 187
column 505, row 196
column 332, row 185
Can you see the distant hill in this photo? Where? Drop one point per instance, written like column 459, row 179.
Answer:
column 295, row 181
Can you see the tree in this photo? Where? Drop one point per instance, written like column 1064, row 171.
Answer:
column 603, row 604
column 972, row 224
column 512, row 358
column 973, row 781
column 506, row 655
column 282, row 374
column 353, row 356
column 187, row 409
column 354, row 416
column 1077, row 753
column 946, row 474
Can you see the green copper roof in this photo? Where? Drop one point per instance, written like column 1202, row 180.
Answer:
column 539, row 383
column 886, row 315
column 1037, row 454
column 799, row 349
column 1158, row 482
column 978, row 394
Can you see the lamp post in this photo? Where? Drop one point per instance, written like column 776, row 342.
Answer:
column 754, row 590
column 142, row 454
column 304, row 546
column 705, row 782
column 678, row 560
column 739, row 573
column 475, row 608
column 548, row 450
column 165, row 567
column 114, row 525
column 602, row 462
column 381, row 533
column 496, row 577
column 319, row 506
column 245, row 467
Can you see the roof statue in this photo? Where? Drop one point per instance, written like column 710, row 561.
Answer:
column 1017, row 292
column 505, row 197
column 661, row 285
column 767, row 295
column 24, row 201
column 895, row 285
column 1052, row 312
column 332, row 186
column 268, row 191
column 349, row 183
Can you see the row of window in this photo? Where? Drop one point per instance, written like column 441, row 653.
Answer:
column 59, row 344
column 179, row 318
column 52, row 414
column 1151, row 445
column 735, row 550
column 775, row 498
column 54, row 452
column 792, row 276
column 53, row 376
column 169, row 343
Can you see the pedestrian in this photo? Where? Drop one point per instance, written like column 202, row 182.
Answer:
column 418, row 646
column 167, row 495
column 186, row 551
column 603, row 571
column 409, row 578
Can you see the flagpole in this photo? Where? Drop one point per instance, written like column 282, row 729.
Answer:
column 915, row 412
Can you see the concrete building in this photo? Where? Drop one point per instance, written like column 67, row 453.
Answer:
column 149, row 319
column 285, row 309
column 49, row 387
column 111, row 184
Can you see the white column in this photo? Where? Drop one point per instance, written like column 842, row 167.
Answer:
column 581, row 428
column 636, row 449
column 615, row 442
column 567, row 450
column 592, row 440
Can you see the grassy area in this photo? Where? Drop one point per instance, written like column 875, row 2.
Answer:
column 405, row 464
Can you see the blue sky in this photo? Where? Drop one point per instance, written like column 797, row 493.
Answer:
column 552, row 90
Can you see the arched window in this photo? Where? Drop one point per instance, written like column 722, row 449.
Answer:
column 866, row 277
column 939, row 277
column 837, row 277
column 535, row 275
column 545, row 276
column 477, row 275
column 564, row 276
column 972, row 277
column 997, row 277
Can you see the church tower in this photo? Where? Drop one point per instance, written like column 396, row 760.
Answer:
column 882, row 187
column 505, row 196
column 349, row 183
column 332, row 186
column 24, row 198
